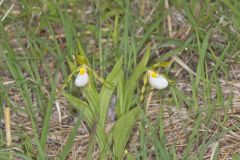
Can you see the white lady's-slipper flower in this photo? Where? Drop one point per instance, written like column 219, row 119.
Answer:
column 82, row 78
column 157, row 81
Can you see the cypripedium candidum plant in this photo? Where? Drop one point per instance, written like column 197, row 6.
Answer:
column 96, row 100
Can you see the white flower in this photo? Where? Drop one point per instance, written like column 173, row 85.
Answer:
column 157, row 81
column 82, row 78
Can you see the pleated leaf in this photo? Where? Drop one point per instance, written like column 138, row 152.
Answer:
column 122, row 131
column 82, row 107
column 106, row 91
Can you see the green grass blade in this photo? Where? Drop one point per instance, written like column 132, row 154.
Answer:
column 232, row 7
column 68, row 146
column 148, row 33
column 47, row 116
column 69, row 31
column 192, row 138
column 202, row 49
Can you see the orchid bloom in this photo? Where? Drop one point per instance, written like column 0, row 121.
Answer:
column 82, row 77
column 156, row 80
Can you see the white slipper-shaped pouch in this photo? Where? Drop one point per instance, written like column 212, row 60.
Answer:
column 82, row 78
column 156, row 80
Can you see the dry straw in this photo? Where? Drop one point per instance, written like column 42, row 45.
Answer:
column 7, row 126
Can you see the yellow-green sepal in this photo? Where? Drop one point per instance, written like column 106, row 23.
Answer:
column 161, row 64
column 71, row 65
column 81, row 60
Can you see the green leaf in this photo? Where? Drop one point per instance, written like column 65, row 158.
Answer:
column 131, row 84
column 91, row 94
column 122, row 131
column 94, row 127
column 82, row 107
column 120, row 94
column 106, row 92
